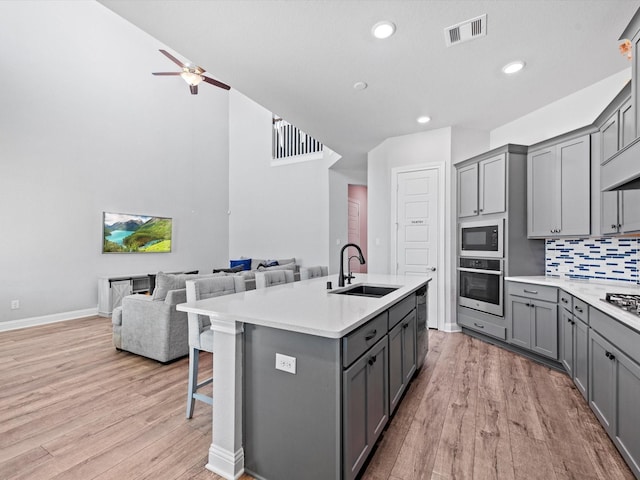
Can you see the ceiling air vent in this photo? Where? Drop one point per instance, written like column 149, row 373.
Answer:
column 465, row 31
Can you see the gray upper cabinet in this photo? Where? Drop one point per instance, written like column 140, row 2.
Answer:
column 558, row 193
column 482, row 187
column 619, row 212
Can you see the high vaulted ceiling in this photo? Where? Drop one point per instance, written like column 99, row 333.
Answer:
column 300, row 59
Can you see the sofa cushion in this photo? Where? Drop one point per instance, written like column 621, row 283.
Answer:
column 168, row 281
column 236, row 269
column 244, row 262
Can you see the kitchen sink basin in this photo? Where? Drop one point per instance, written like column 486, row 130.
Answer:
column 365, row 290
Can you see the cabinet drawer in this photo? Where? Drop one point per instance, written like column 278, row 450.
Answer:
column 539, row 292
column 483, row 326
column 581, row 310
column 566, row 300
column 617, row 333
column 359, row 341
column 401, row 309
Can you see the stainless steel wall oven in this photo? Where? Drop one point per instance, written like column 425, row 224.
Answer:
column 480, row 284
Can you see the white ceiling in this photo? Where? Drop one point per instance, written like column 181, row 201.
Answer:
column 301, row 58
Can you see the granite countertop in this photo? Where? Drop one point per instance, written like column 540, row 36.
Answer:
column 307, row 306
column 592, row 293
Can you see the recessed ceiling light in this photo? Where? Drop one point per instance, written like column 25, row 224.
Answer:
column 360, row 85
column 383, row 29
column 513, row 67
column 423, row 119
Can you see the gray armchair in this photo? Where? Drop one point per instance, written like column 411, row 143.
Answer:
column 150, row 325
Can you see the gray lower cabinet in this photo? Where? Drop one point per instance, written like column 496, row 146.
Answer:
column 573, row 344
column 532, row 323
column 614, row 383
column 330, row 413
column 366, row 406
column 402, row 358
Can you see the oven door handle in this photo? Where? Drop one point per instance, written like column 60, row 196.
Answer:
column 479, row 270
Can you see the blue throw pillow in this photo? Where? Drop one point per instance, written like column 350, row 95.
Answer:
column 245, row 263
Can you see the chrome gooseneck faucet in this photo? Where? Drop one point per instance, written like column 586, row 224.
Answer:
column 360, row 257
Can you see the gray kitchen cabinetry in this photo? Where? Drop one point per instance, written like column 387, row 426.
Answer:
column 482, row 187
column 532, row 318
column 365, row 405
column 558, row 188
column 619, row 212
column 402, row 358
column 574, row 343
column 614, row 383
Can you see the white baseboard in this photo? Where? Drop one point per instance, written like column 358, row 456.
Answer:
column 56, row 317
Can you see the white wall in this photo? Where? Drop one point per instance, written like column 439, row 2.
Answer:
column 275, row 212
column 85, row 127
column 567, row 114
column 339, row 181
column 415, row 149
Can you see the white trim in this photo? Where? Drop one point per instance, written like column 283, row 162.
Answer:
column 45, row 319
column 228, row 465
column 443, row 293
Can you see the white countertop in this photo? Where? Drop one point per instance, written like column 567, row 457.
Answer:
column 592, row 293
column 307, row 306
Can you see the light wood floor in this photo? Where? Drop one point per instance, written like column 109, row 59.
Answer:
column 71, row 407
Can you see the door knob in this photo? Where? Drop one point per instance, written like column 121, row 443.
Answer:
column 433, row 269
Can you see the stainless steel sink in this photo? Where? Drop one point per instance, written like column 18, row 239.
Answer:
column 366, row 290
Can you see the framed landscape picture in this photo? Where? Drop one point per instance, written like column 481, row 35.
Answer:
column 127, row 233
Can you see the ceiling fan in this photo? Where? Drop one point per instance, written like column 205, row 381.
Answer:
column 193, row 75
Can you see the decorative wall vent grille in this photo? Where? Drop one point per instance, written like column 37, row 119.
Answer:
column 289, row 141
column 465, row 31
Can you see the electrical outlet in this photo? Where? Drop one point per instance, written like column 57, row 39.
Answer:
column 286, row 363
column 15, row 304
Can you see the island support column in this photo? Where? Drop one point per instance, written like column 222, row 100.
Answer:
column 226, row 453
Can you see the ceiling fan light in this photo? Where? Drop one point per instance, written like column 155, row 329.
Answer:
column 191, row 78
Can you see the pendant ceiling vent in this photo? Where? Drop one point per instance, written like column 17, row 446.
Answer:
column 465, row 31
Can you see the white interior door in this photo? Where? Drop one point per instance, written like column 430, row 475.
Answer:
column 417, row 230
column 354, row 232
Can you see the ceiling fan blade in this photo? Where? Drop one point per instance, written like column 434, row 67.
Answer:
column 173, row 59
column 215, row 82
column 166, row 73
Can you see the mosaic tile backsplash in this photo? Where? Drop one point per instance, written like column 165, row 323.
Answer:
column 608, row 259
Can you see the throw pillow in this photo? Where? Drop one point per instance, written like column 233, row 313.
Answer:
column 245, row 263
column 288, row 266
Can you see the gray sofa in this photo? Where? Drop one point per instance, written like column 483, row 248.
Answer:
column 257, row 266
column 150, row 325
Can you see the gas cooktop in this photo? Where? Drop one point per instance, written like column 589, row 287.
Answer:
column 630, row 303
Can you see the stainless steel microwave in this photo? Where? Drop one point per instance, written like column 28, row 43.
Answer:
column 482, row 239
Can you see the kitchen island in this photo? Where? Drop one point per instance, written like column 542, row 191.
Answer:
column 306, row 378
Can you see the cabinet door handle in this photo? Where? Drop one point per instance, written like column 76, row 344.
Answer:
column 528, row 304
column 475, row 211
column 534, row 292
column 568, row 320
column 406, row 325
column 371, row 335
column 564, row 300
column 372, row 360
column 578, row 309
column 619, row 226
column 477, row 325
column 607, row 354
column 614, row 226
